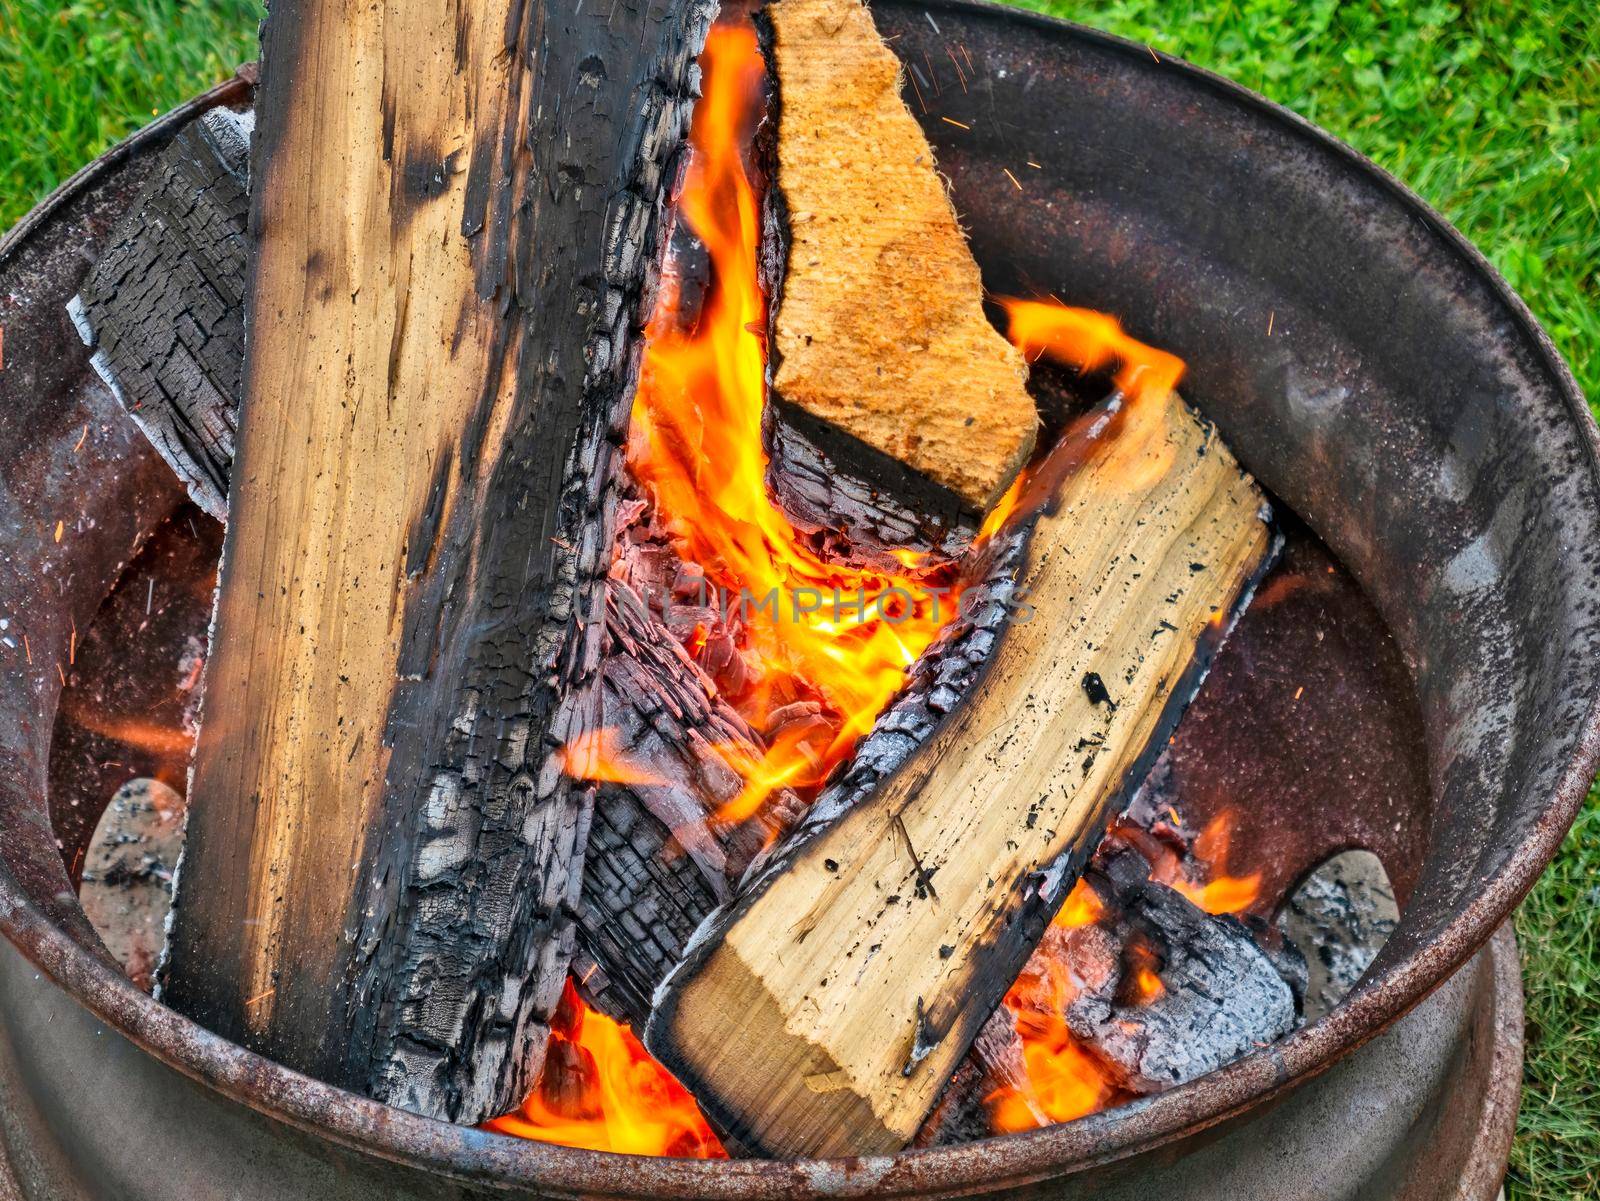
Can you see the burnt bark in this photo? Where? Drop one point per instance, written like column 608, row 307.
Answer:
column 467, row 940
column 657, row 861
column 433, row 986
column 163, row 308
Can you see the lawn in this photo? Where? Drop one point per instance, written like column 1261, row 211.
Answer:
column 1487, row 107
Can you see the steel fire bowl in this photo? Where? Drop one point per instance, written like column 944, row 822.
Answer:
column 1364, row 361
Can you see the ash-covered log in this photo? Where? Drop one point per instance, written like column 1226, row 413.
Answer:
column 1338, row 919
column 1184, row 992
column 1133, row 991
column 451, row 272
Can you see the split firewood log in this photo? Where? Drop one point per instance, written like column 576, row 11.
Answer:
column 880, row 295
column 823, row 1011
column 456, row 222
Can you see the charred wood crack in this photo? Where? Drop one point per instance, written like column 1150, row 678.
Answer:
column 163, row 308
column 474, row 908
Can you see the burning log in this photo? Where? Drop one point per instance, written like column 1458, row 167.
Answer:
column 1135, row 992
column 383, row 852
column 1198, row 994
column 748, row 1018
column 163, row 309
column 659, row 863
column 834, row 1031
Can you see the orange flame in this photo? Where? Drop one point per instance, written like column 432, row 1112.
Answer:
column 696, row 446
column 1144, row 982
column 1063, row 1080
column 1090, row 341
column 595, row 755
column 1083, row 907
column 1220, row 892
column 601, row 1091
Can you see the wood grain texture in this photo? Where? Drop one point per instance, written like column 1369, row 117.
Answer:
column 456, row 210
column 823, row 1012
column 879, row 328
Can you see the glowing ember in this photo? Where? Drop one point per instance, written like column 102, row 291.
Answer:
column 1065, row 1080
column 1144, row 982
column 1083, row 907
column 601, row 1091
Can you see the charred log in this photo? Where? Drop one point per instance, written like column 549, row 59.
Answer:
column 1212, row 995
column 163, row 309
column 412, row 850
column 658, row 859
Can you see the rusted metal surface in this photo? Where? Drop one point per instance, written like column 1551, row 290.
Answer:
column 1404, row 403
column 1425, row 1112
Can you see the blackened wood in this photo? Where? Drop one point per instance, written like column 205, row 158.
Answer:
column 658, row 862
column 828, row 499
column 163, row 308
column 650, row 877
column 458, row 218
column 994, row 1063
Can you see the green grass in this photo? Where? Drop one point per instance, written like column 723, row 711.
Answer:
column 1487, row 107
column 77, row 76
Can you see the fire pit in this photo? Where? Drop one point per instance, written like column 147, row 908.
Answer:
column 1420, row 691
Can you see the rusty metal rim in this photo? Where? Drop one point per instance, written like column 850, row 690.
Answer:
column 495, row 1161
column 1484, row 1173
